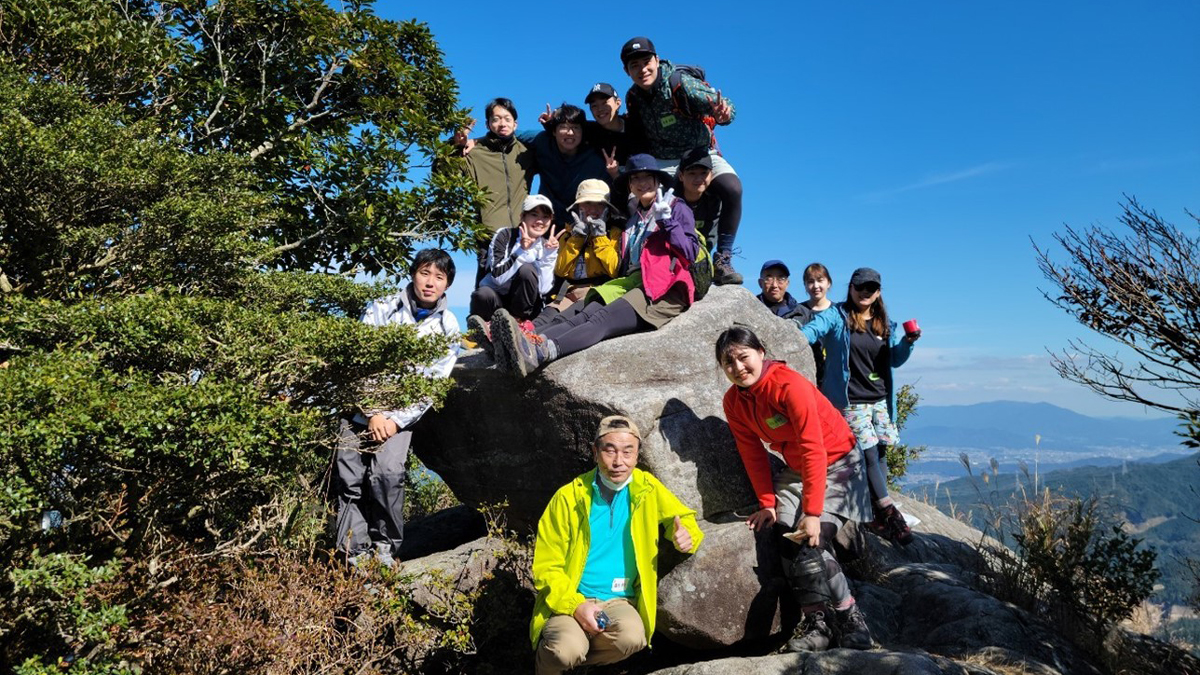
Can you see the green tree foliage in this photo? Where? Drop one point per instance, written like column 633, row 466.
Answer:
column 898, row 457
column 171, row 174
column 337, row 113
column 1139, row 288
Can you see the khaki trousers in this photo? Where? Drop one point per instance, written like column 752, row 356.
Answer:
column 564, row 645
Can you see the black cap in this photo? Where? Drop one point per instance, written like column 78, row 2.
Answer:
column 775, row 263
column 696, row 156
column 636, row 46
column 600, row 89
column 865, row 275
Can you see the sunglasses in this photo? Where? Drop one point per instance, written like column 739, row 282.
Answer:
column 867, row 288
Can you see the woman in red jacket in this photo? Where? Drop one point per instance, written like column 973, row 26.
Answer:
column 821, row 487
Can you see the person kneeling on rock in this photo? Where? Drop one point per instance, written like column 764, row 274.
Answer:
column 594, row 558
column 821, row 487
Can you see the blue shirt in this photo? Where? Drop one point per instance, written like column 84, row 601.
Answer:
column 611, row 570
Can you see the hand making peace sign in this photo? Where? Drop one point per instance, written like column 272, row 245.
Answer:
column 552, row 238
column 722, row 113
column 610, row 162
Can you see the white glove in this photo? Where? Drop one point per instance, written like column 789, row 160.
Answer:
column 662, row 204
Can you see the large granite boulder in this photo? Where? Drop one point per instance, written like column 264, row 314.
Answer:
column 732, row 589
column 834, row 662
column 503, row 439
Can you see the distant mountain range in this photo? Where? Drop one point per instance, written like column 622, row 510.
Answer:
column 1014, row 425
column 1159, row 503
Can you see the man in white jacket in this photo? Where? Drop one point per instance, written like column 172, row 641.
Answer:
column 520, row 264
column 373, row 446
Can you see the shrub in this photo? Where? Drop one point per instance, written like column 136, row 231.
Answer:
column 1070, row 558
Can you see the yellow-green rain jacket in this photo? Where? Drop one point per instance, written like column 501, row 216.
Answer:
column 563, row 539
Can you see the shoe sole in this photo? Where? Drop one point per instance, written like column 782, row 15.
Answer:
column 727, row 281
column 484, row 343
column 504, row 336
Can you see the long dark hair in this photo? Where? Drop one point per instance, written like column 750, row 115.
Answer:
column 856, row 319
column 734, row 337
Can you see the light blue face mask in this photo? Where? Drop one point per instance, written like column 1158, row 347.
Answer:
column 615, row 487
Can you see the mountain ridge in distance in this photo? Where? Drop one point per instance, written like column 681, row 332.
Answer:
column 1015, row 424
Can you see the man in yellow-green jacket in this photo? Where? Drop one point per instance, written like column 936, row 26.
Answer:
column 595, row 563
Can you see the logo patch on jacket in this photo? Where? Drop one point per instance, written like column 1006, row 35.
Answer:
column 666, row 120
column 776, row 421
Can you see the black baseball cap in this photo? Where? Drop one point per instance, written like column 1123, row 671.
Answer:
column 775, row 263
column 600, row 89
column 696, row 156
column 865, row 275
column 636, row 46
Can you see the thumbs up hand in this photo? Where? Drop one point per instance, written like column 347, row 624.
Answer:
column 683, row 538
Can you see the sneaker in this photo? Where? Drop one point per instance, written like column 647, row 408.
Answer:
column 723, row 272
column 900, row 532
column 533, row 351
column 812, row 635
column 480, row 333
column 852, row 629
column 504, row 332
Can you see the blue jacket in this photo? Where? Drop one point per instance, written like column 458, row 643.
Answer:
column 561, row 174
column 784, row 307
column 831, row 330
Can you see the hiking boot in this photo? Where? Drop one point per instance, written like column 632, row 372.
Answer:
column 879, row 526
column 812, row 635
column 852, row 629
column 723, row 272
column 504, row 332
column 533, row 351
column 480, row 333
column 900, row 532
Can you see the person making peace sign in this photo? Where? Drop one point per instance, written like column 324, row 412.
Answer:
column 520, row 265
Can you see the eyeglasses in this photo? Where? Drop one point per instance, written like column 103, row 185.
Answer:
column 867, row 288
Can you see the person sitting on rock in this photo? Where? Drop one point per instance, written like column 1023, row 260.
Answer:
column 373, row 445
column 694, row 177
column 520, row 268
column 587, row 253
column 863, row 348
column 773, row 280
column 594, row 559
column 676, row 111
column 656, row 248
column 820, row 488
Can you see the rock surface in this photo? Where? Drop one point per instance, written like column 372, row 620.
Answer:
column 522, row 439
column 833, row 662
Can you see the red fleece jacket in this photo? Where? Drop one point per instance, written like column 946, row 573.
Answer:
column 788, row 412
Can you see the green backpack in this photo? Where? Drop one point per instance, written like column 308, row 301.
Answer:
column 701, row 269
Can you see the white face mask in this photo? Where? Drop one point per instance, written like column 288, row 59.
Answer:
column 615, row 487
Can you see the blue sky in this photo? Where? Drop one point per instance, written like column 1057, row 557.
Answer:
column 929, row 140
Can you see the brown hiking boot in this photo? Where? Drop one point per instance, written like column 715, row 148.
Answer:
column 723, row 272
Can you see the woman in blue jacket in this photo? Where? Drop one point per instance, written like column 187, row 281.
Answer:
column 860, row 339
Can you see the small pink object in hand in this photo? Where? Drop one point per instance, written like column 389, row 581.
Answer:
column 911, row 327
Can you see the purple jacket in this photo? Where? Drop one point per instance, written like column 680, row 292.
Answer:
column 674, row 240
